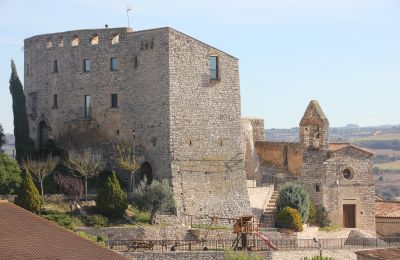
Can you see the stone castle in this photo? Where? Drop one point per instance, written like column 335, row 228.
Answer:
column 338, row 176
column 176, row 98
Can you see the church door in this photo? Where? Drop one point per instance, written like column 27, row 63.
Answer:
column 349, row 216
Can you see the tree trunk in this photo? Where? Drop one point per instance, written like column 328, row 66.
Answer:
column 153, row 215
column 41, row 189
column 132, row 182
column 86, row 188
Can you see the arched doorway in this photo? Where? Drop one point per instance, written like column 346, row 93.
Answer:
column 145, row 171
column 44, row 133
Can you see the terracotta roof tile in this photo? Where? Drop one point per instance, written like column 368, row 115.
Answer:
column 387, row 209
column 382, row 253
column 24, row 235
column 334, row 147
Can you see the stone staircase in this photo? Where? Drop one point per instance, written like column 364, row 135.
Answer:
column 268, row 216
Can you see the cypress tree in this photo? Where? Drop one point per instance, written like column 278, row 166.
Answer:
column 28, row 195
column 23, row 143
column 111, row 201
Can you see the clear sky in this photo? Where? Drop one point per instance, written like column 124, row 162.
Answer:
column 345, row 53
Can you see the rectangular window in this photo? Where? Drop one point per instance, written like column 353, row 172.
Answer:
column 88, row 106
column 34, row 103
column 213, row 68
column 135, row 62
column 114, row 100
column 317, row 187
column 55, row 66
column 55, row 101
column 87, row 65
column 114, row 63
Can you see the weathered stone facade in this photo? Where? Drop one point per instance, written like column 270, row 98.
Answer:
column 184, row 125
column 337, row 175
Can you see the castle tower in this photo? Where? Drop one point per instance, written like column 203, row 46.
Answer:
column 314, row 128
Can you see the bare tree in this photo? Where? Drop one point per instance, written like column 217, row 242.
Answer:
column 87, row 162
column 40, row 168
column 128, row 161
column 72, row 187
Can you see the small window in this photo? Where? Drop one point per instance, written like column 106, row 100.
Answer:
column 348, row 173
column 88, row 106
column 114, row 100
column 55, row 101
column 117, row 131
column 115, row 38
column 75, row 40
column 214, row 68
column 87, row 65
column 317, row 187
column 49, row 43
column 60, row 41
column 55, row 66
column 135, row 62
column 114, row 63
column 94, row 39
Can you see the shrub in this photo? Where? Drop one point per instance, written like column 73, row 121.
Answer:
column 321, row 217
column 289, row 218
column 240, row 255
column 59, row 218
column 139, row 215
column 153, row 197
column 311, row 215
column 95, row 221
column 294, row 196
column 28, row 196
column 10, row 175
column 111, row 201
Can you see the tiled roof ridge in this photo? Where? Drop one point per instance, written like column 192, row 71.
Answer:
column 348, row 144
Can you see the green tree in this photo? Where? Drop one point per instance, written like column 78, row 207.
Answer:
column 289, row 218
column 111, row 201
column 294, row 196
column 10, row 175
column 154, row 197
column 28, row 196
column 23, row 143
column 2, row 137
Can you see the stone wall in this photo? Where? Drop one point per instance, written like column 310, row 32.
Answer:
column 175, row 255
column 298, row 255
column 388, row 226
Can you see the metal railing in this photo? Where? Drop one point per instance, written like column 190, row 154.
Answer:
column 253, row 244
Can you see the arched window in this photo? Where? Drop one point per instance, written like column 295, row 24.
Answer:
column 75, row 40
column 115, row 38
column 94, row 39
column 49, row 43
column 60, row 41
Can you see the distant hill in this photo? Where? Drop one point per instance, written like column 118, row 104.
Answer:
column 10, row 144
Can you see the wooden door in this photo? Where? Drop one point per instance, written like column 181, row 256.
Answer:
column 349, row 216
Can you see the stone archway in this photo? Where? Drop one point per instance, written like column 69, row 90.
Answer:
column 43, row 133
column 145, row 170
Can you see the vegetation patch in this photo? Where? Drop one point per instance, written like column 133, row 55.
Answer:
column 241, row 255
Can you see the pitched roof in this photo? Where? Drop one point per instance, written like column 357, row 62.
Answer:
column 334, row 147
column 313, row 109
column 25, row 235
column 382, row 253
column 387, row 209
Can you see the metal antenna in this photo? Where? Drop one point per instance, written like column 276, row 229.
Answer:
column 128, row 8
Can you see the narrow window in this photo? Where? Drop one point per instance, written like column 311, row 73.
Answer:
column 114, row 100
column 34, row 104
column 214, row 68
column 117, row 131
column 114, row 63
column 60, row 41
column 317, row 187
column 115, row 38
column 75, row 40
column 94, row 39
column 55, row 66
column 87, row 65
column 55, row 101
column 88, row 106
column 135, row 62
column 49, row 43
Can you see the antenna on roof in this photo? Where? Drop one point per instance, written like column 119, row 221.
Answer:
column 128, row 8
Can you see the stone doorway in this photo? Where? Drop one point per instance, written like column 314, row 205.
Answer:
column 145, row 171
column 349, row 215
column 44, row 133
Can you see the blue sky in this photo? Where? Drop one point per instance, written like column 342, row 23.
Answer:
column 345, row 53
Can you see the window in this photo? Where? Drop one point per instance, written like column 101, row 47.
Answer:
column 213, row 68
column 317, row 187
column 114, row 63
column 55, row 66
column 60, row 41
column 87, row 65
column 94, row 39
column 88, row 106
column 135, row 62
column 115, row 38
column 75, row 40
column 114, row 100
column 49, row 43
column 348, row 173
column 55, row 101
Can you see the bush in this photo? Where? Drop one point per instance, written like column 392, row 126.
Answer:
column 153, row 197
column 311, row 215
column 97, row 221
column 28, row 196
column 240, row 255
column 321, row 217
column 294, row 196
column 59, row 218
column 289, row 218
column 111, row 201
column 140, row 216
column 10, row 175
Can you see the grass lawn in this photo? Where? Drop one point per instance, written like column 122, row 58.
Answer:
column 381, row 137
column 390, row 166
